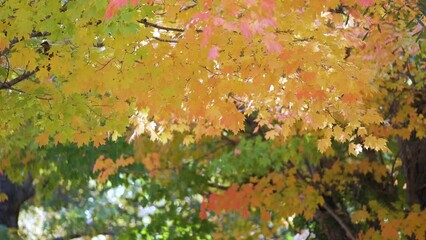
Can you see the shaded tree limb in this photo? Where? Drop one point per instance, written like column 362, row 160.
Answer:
column 348, row 231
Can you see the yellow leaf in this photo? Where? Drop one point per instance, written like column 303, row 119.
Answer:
column 25, row 57
column 188, row 140
column 360, row 215
column 355, row 149
column 271, row 134
column 371, row 116
column 362, row 131
column 3, row 43
column 339, row 134
column 324, row 144
column 3, row 197
column 375, row 143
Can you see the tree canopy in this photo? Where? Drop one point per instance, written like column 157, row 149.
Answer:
column 239, row 119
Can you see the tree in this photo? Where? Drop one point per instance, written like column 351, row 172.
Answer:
column 306, row 108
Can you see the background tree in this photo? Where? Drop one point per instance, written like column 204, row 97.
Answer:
column 307, row 114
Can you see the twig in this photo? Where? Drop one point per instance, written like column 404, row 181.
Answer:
column 165, row 40
column 104, row 65
column 38, row 97
column 149, row 24
column 210, row 71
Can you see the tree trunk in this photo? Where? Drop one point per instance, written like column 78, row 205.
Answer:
column 413, row 155
column 16, row 196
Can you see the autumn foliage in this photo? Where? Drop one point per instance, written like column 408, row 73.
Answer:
column 318, row 106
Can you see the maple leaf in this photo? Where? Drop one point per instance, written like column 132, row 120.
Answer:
column 115, row 5
column 188, row 140
column 245, row 29
column 360, row 215
column 123, row 162
column 271, row 44
column 43, row 138
column 324, row 144
column 355, row 149
column 213, row 52
column 375, row 143
column 367, row 3
column 271, row 134
column 308, row 76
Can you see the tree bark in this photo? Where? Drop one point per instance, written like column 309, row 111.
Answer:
column 17, row 194
column 413, row 155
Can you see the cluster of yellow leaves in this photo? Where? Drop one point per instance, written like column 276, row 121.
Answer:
column 296, row 75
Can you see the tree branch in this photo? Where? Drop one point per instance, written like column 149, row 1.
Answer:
column 15, row 40
column 20, row 78
column 349, row 233
column 150, row 24
column 220, row 187
column 165, row 40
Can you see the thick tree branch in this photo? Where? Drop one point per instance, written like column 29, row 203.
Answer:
column 20, row 78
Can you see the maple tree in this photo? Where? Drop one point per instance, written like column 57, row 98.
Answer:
column 311, row 110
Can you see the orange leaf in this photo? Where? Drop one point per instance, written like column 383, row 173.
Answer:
column 43, row 139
